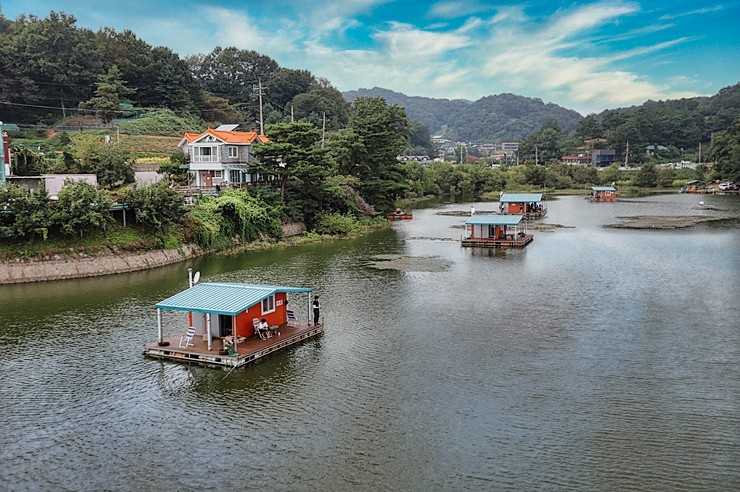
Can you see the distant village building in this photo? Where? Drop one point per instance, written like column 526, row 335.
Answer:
column 510, row 146
column 603, row 157
column 577, row 160
column 650, row 149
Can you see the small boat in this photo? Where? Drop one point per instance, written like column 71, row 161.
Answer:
column 702, row 206
column 398, row 214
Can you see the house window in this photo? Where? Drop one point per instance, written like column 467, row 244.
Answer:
column 218, row 174
column 233, row 151
column 236, row 176
column 205, row 154
column 268, row 305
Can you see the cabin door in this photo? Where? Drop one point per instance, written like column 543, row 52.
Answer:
column 208, row 180
column 224, row 325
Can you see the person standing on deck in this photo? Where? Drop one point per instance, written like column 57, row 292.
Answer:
column 316, row 309
column 472, row 210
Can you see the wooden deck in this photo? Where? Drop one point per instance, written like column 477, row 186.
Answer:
column 249, row 349
column 510, row 241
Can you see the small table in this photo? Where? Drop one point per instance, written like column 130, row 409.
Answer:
column 274, row 330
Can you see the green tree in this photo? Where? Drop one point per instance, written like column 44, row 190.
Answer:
column 110, row 163
column 383, row 131
column 588, row 128
column 665, row 178
column 292, row 148
column 174, row 86
column 646, row 177
column 24, row 214
column 610, row 174
column 156, row 206
column 231, row 73
column 27, row 162
column 108, row 96
column 61, row 59
column 82, row 208
column 725, row 151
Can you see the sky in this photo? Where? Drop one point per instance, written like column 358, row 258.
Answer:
column 583, row 55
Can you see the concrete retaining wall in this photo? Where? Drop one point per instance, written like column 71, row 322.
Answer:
column 91, row 266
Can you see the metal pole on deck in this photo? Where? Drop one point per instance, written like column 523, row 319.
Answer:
column 2, row 157
column 233, row 333
column 159, row 324
column 208, row 330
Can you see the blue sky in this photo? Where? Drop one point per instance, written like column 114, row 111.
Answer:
column 587, row 56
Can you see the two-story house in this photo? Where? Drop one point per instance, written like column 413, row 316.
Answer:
column 220, row 157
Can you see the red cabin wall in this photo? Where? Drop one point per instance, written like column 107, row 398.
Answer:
column 516, row 208
column 244, row 324
column 607, row 198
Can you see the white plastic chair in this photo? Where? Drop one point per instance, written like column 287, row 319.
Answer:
column 292, row 320
column 186, row 340
column 257, row 332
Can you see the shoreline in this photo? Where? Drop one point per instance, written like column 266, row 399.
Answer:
column 19, row 272
column 82, row 266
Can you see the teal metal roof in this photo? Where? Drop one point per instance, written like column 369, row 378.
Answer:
column 506, row 220
column 223, row 298
column 603, row 188
column 520, row 197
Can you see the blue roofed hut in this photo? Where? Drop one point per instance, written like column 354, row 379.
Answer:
column 529, row 205
column 603, row 194
column 220, row 328
column 498, row 231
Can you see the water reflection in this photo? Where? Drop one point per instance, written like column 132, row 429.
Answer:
column 592, row 359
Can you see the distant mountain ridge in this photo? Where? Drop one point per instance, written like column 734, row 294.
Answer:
column 496, row 118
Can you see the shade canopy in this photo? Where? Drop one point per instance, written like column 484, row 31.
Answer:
column 223, row 298
column 494, row 220
column 520, row 197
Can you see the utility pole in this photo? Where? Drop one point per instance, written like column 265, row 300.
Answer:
column 323, row 131
column 2, row 157
column 259, row 91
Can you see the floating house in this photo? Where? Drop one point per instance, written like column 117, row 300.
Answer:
column 529, row 205
column 222, row 320
column 497, row 231
column 697, row 186
column 603, row 194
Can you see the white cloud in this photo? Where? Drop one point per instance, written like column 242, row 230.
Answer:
column 456, row 9
column 693, row 12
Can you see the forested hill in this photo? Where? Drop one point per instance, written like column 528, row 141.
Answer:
column 490, row 119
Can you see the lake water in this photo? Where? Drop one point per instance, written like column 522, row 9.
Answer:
column 593, row 359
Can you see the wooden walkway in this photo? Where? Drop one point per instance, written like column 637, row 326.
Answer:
column 249, row 349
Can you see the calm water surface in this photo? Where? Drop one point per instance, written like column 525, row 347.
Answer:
column 593, row 359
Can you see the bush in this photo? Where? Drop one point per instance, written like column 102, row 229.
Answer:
column 336, row 224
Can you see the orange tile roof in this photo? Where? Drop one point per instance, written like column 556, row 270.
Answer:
column 228, row 137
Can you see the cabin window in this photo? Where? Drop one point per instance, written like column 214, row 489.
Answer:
column 233, row 151
column 607, row 193
column 268, row 305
